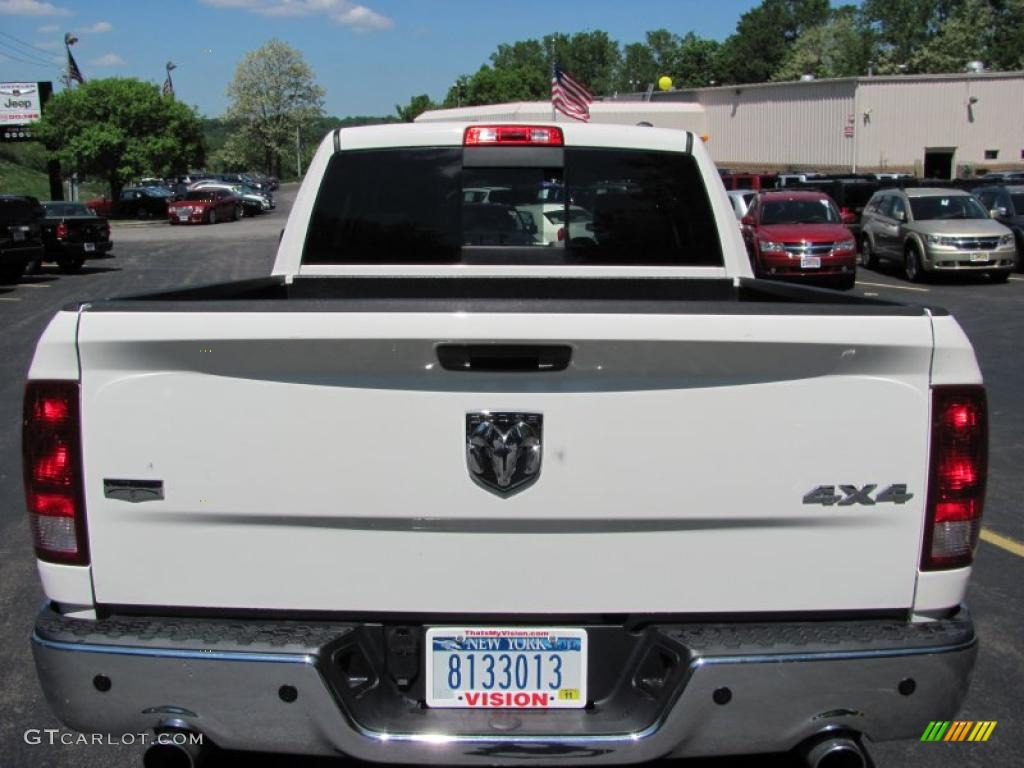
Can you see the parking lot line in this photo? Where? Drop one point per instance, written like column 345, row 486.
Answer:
column 898, row 287
column 34, row 285
column 1017, row 279
column 9, row 298
column 1003, row 542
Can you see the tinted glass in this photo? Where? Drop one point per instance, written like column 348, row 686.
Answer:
column 400, row 206
column 68, row 209
column 1017, row 200
column 201, row 194
column 18, row 211
column 946, row 207
column 799, row 212
column 420, row 206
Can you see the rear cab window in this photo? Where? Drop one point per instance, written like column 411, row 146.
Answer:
column 512, row 206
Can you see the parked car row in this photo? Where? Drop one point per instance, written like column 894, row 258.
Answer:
column 158, row 202
column 151, row 197
column 800, row 233
column 32, row 233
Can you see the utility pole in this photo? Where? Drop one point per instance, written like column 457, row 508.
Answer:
column 298, row 153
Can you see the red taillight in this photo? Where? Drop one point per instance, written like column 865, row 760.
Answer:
column 512, row 136
column 62, row 230
column 52, row 455
column 561, row 234
column 956, row 486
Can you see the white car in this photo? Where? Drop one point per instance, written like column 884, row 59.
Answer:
column 550, row 220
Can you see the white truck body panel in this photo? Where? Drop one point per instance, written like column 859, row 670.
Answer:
column 306, row 452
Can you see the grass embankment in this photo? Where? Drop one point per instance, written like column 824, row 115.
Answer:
column 23, row 172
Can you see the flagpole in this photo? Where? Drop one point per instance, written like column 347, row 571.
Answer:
column 73, row 72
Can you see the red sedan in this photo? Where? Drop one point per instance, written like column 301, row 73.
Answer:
column 205, row 206
column 800, row 235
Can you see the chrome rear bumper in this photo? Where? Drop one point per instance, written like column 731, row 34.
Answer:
column 272, row 686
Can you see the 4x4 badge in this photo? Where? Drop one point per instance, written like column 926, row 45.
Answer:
column 852, row 494
column 504, row 450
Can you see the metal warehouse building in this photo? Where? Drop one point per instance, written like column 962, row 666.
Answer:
column 930, row 125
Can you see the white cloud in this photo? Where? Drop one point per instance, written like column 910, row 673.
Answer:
column 31, row 8
column 343, row 12
column 362, row 19
column 108, row 60
column 47, row 29
column 95, row 29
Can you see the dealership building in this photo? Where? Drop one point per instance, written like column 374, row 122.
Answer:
column 940, row 126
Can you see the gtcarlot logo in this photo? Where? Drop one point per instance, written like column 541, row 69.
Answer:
column 54, row 736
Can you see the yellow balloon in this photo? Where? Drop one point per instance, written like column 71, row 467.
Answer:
column 665, row 82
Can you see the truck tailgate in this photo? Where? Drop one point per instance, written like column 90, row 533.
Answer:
column 317, row 461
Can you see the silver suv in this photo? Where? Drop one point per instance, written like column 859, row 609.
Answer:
column 935, row 230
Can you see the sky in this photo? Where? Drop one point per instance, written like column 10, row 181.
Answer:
column 368, row 57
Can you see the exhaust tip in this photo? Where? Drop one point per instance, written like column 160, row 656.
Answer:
column 176, row 749
column 834, row 751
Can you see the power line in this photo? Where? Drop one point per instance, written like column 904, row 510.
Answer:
column 7, row 48
column 10, row 56
column 27, row 45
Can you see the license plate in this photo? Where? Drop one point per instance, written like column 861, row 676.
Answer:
column 89, row 246
column 979, row 257
column 182, row 217
column 17, row 234
column 506, row 667
column 810, row 262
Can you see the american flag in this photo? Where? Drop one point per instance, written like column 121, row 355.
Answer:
column 569, row 96
column 74, row 73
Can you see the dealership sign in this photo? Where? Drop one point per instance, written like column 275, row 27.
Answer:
column 19, row 103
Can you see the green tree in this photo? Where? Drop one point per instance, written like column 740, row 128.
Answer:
column 902, row 27
column 497, row 86
column 1006, row 51
column 965, row 35
column 119, row 128
column 416, row 106
column 273, row 94
column 523, row 54
column 695, row 64
column 842, row 47
column 639, row 67
column 763, row 37
column 593, row 58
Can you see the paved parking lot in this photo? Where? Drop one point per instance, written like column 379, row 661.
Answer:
column 157, row 256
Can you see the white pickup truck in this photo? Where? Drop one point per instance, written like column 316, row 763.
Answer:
column 417, row 500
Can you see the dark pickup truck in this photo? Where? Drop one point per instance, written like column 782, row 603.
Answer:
column 20, row 243
column 73, row 233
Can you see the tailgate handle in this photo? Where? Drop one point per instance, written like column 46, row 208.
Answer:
column 504, row 358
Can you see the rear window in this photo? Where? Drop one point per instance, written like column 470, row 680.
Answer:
column 68, row 209
column 18, row 211
column 581, row 206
